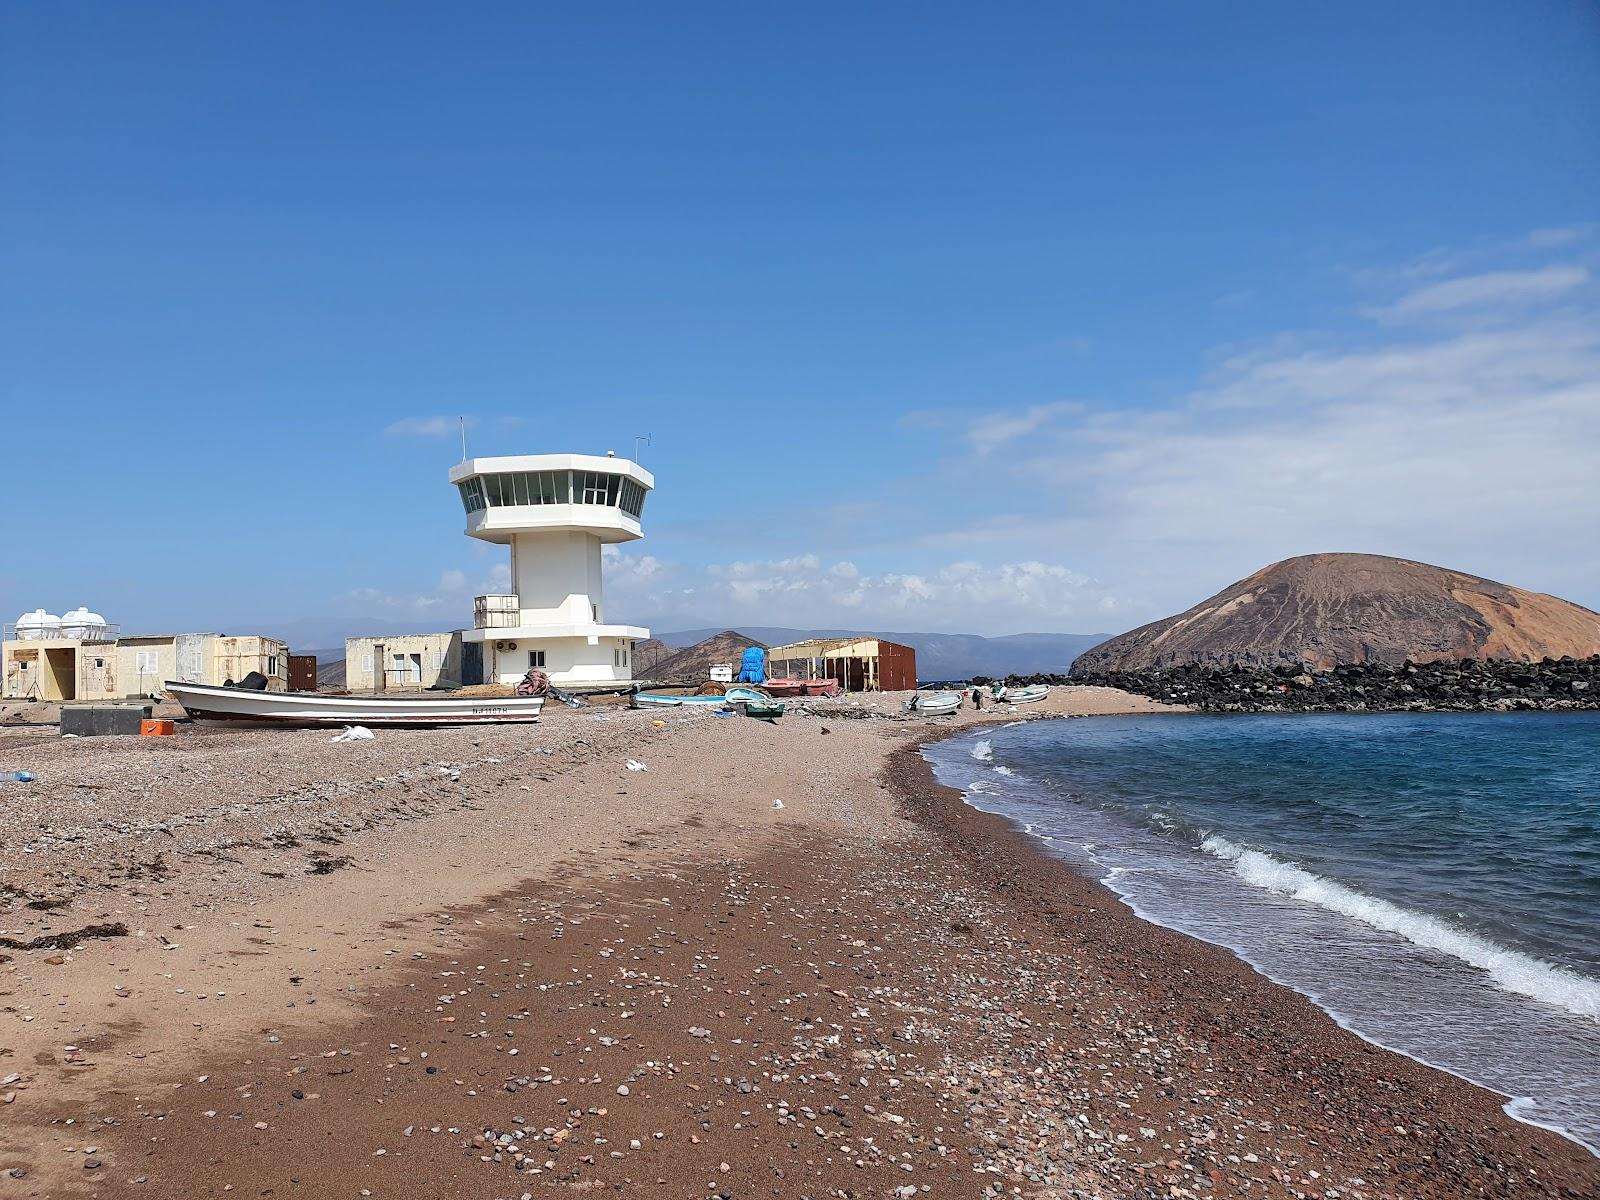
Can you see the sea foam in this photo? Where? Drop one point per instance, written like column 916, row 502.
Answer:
column 983, row 750
column 1511, row 970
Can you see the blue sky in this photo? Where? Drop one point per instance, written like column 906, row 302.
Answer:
column 1068, row 315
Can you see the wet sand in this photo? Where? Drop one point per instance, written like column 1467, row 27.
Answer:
column 535, row 970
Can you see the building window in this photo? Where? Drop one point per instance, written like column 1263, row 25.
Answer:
column 272, row 664
column 146, row 662
column 471, row 494
column 366, row 663
column 536, row 658
column 631, row 497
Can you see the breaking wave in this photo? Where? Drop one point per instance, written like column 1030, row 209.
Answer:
column 1511, row 970
column 983, row 750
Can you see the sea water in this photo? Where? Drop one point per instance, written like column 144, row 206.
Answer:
column 1431, row 880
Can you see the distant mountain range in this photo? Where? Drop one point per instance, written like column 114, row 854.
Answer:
column 939, row 655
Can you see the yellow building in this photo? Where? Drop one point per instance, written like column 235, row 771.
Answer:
column 410, row 662
column 144, row 663
column 53, row 668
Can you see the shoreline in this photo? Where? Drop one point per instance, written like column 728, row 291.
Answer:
column 995, row 842
column 1511, row 1101
column 872, row 988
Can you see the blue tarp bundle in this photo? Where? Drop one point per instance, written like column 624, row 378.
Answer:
column 753, row 666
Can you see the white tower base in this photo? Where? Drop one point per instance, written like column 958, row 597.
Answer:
column 555, row 512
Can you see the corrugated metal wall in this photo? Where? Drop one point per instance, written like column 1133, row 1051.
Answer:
column 897, row 667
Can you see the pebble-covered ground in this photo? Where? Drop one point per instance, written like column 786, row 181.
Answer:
column 659, row 980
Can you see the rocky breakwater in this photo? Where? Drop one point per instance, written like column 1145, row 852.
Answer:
column 1467, row 685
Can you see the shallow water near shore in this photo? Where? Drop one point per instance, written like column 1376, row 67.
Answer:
column 1430, row 880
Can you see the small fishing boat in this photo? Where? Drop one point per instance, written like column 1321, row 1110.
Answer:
column 765, row 709
column 663, row 700
column 208, row 702
column 785, row 687
column 822, row 687
column 739, row 694
column 1024, row 695
column 934, row 704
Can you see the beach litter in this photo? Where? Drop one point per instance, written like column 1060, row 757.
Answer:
column 15, row 777
column 635, row 765
column 355, row 733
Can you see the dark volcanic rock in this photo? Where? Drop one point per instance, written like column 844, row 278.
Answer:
column 1324, row 610
column 1465, row 685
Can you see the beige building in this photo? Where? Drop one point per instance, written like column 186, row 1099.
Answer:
column 145, row 663
column 62, row 668
column 59, row 669
column 410, row 662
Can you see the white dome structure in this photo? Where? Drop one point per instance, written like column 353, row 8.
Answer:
column 32, row 626
column 82, row 624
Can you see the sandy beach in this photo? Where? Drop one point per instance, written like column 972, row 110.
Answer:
column 780, row 960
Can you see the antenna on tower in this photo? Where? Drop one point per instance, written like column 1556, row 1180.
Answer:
column 463, row 421
column 638, row 438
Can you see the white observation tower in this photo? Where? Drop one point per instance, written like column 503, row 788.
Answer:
column 555, row 511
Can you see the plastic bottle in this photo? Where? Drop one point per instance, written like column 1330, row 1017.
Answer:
column 15, row 777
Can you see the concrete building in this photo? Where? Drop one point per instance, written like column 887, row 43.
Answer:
column 411, row 662
column 145, row 662
column 555, row 512
column 50, row 666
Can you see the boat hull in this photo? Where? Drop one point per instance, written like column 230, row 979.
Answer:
column 204, row 702
column 1026, row 695
column 784, row 687
column 655, row 700
column 937, row 705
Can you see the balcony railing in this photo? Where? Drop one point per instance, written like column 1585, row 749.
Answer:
column 496, row 612
column 61, row 633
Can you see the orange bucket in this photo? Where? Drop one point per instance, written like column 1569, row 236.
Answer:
column 155, row 728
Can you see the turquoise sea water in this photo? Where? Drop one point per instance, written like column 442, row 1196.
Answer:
column 1431, row 880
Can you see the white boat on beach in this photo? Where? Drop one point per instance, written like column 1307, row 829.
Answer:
column 1024, row 695
column 935, row 704
column 206, row 702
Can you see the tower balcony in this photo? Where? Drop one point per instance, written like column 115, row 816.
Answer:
column 496, row 612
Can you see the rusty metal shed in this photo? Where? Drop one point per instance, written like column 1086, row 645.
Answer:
column 859, row 664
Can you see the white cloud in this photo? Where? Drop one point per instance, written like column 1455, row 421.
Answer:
column 450, row 599
column 1474, row 450
column 807, row 590
column 995, row 430
column 1491, row 289
column 427, row 427
column 1559, row 236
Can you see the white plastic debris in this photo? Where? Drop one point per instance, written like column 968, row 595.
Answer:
column 777, row 804
column 355, row 733
column 635, row 765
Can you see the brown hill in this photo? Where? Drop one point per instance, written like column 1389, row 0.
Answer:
column 693, row 664
column 1326, row 609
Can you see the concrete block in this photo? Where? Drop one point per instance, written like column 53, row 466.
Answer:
column 100, row 720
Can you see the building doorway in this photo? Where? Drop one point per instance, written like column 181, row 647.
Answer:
column 60, row 680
